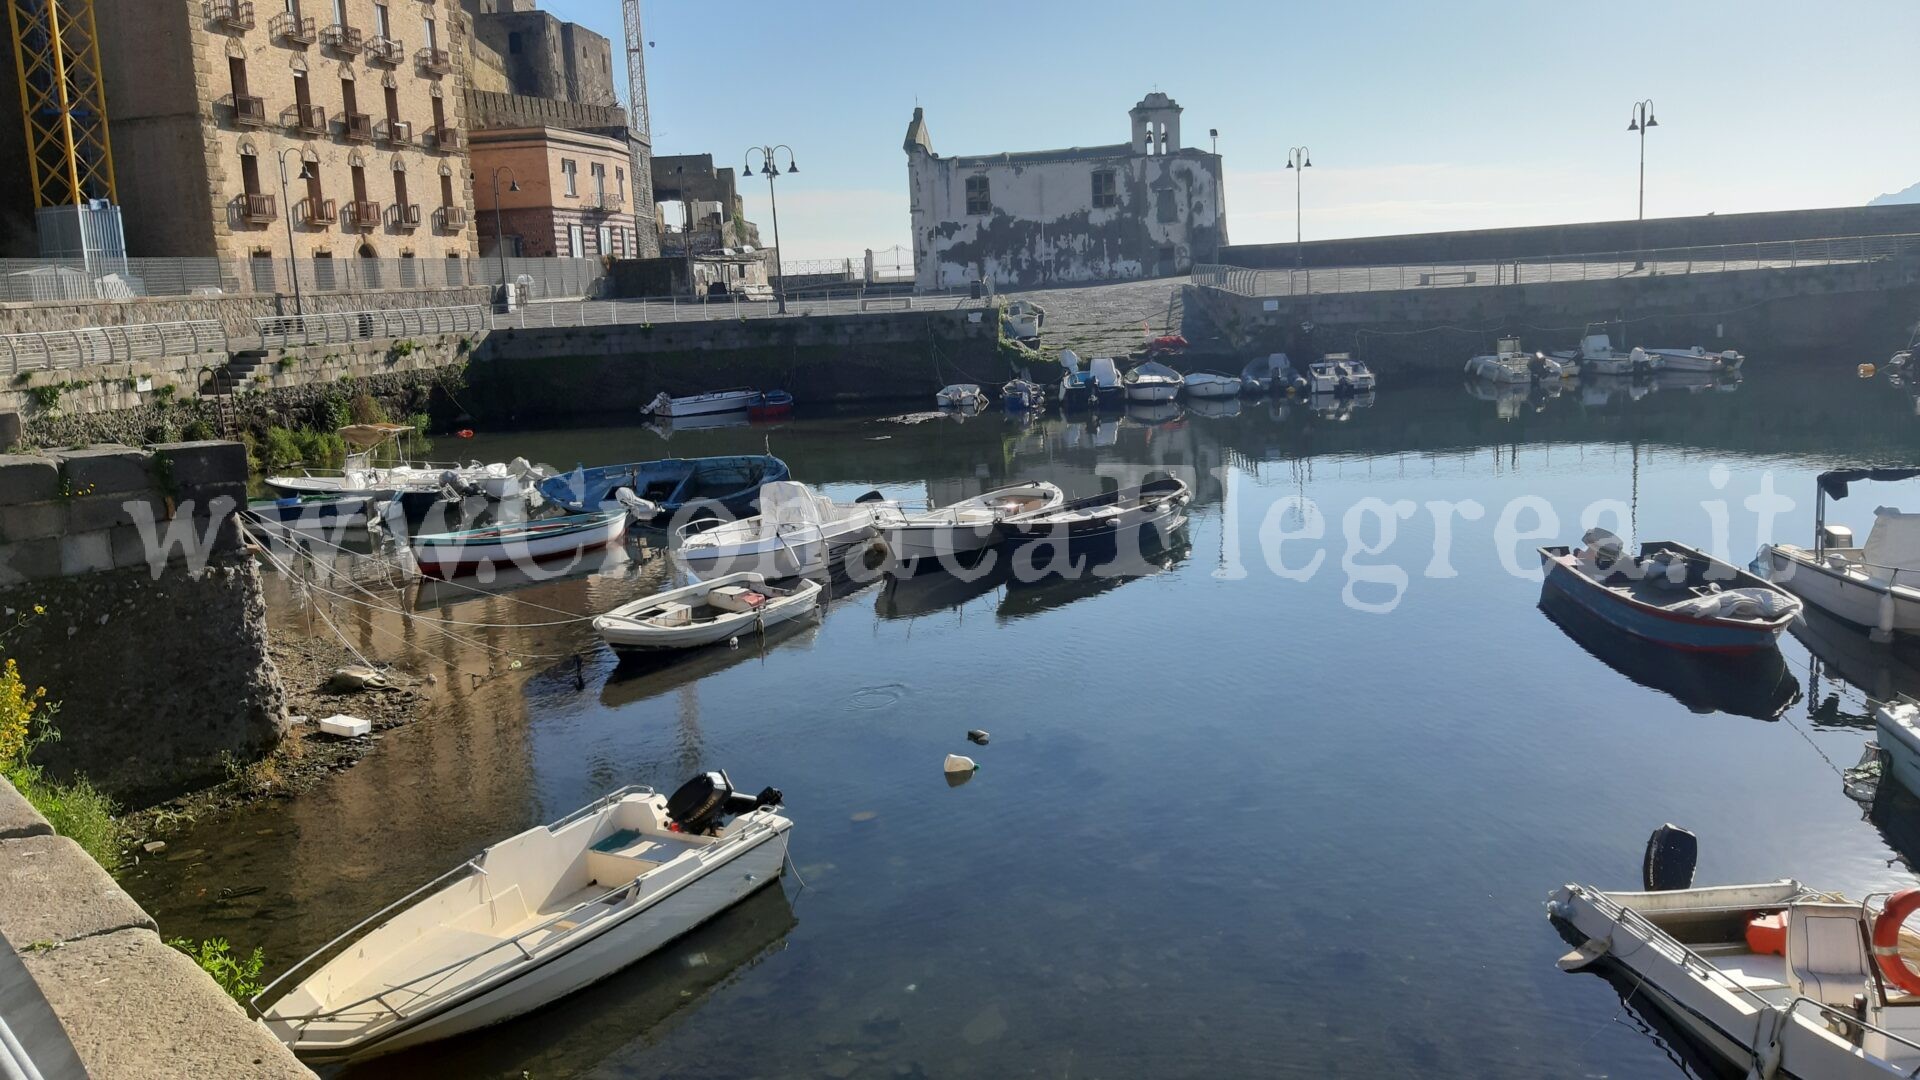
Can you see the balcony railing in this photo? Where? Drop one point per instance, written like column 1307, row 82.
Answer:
column 362, row 214
column 249, row 111
column 356, row 127
column 445, row 138
column 450, row 218
column 318, row 211
column 231, row 14
column 386, row 51
column 406, row 216
column 307, row 119
column 293, row 29
column 342, row 38
column 257, row 209
column 396, row 132
column 604, row 202
column 435, row 61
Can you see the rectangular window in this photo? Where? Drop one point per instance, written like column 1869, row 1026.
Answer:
column 439, row 115
column 393, row 106
column 620, row 182
column 237, row 71
column 433, row 33
column 599, row 173
column 348, row 99
column 293, row 8
column 300, row 95
column 1106, row 193
column 1164, row 207
column 513, row 43
column 979, row 198
column 606, row 240
column 446, row 189
column 570, row 176
column 249, row 174
column 400, row 189
column 382, row 25
column 359, row 184
column 314, row 194
column 576, row 242
column 340, row 12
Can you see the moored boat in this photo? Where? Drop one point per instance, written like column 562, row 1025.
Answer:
column 1211, row 384
column 737, row 399
column 1076, row 386
column 1152, row 381
column 1696, row 359
column 705, row 613
column 771, row 405
column 1596, row 356
column 1020, row 395
column 1897, row 724
column 1339, row 373
column 312, row 511
column 722, row 486
column 531, row 919
column 797, row 531
column 1047, row 543
column 521, row 544
column 960, row 396
column 964, row 528
column 1107, row 387
column 1875, row 585
column 1509, row 364
column 1670, row 593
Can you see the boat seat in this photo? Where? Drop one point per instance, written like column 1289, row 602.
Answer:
column 1826, row 953
column 738, row 600
column 672, row 614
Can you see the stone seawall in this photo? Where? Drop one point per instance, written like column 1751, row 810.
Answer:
column 235, row 312
column 156, row 651
column 1438, row 329
column 130, row 1007
column 872, row 356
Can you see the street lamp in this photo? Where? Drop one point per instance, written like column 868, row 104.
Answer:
column 499, row 233
column 770, row 169
column 1299, row 160
column 286, row 204
column 1642, row 120
column 1214, row 134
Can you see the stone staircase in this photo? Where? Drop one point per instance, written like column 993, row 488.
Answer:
column 235, row 373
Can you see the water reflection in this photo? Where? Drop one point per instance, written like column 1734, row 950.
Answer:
column 1842, row 651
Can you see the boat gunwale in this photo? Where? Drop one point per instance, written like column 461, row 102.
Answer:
column 500, row 535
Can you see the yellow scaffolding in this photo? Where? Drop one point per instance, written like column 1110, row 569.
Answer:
column 62, row 101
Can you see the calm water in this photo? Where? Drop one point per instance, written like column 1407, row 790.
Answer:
column 1228, row 823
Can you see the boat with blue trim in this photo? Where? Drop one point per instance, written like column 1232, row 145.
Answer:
column 1670, row 593
column 521, row 544
column 672, row 485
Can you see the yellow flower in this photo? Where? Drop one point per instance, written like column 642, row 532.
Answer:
column 39, row 609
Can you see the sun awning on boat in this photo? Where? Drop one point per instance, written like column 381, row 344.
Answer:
column 365, row 435
column 1834, row 484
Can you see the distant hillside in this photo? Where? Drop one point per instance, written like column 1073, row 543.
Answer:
column 1911, row 195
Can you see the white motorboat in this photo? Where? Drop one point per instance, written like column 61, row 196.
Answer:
column 1105, row 374
column 1339, row 373
column 1152, row 381
column 520, row 544
column 797, row 531
column 705, row 613
column 1596, row 356
column 1697, row 359
column 960, row 396
column 531, row 919
column 1897, row 723
column 1212, row 384
column 1023, row 319
column 1508, row 363
column 362, row 478
column 737, row 399
column 966, row 527
column 1876, row 585
column 1775, row 978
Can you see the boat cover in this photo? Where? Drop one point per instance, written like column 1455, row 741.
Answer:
column 1894, row 542
column 787, row 502
column 1738, row 604
column 1834, row 484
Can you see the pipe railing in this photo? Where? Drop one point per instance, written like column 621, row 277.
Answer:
column 645, row 311
column 342, row 327
column 53, row 350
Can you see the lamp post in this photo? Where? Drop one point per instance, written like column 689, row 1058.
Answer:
column 770, row 169
column 1642, row 120
column 499, row 232
column 1214, row 134
column 1299, row 160
column 286, row 205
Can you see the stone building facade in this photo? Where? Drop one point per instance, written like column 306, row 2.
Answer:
column 706, row 210
column 542, row 56
column 1147, row 207
column 205, row 98
column 575, row 197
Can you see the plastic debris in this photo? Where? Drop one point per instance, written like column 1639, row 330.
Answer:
column 356, row 677
column 154, row 847
column 346, row 727
column 1862, row 782
column 977, row 737
column 957, row 763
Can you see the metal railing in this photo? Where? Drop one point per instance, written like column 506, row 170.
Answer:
column 395, row 132
column 342, row 38
column 356, row 127
column 388, row 51
column 53, row 350
column 42, row 280
column 1550, row 269
column 435, row 61
column 344, row 327
column 645, row 312
column 290, row 27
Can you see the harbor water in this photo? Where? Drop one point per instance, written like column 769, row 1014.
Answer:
column 1278, row 805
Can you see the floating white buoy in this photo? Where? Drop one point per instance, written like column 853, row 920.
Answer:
column 959, row 764
column 733, row 642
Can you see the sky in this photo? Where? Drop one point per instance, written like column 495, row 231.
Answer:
column 1418, row 116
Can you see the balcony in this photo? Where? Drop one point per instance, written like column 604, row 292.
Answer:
column 356, row 127
column 445, row 139
column 602, row 202
column 293, row 29
column 342, row 39
column 434, row 61
column 306, row 119
column 257, row 209
column 450, row 219
column 234, row 15
column 362, row 214
column 248, row 111
column 386, row 51
column 318, row 211
column 406, row 216
column 395, row 133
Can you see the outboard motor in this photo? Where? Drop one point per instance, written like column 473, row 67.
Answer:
column 451, row 482
column 1671, row 854
column 702, row 804
column 1607, row 548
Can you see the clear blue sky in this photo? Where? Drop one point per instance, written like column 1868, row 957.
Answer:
column 1419, row 115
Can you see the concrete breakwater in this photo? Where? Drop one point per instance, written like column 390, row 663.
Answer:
column 125, row 1003
column 153, row 637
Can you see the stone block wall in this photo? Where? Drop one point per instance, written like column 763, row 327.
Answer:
column 152, row 637
column 235, row 312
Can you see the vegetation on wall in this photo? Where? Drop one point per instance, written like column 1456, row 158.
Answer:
column 238, row 976
column 74, row 808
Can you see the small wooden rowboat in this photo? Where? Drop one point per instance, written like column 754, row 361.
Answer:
column 703, row 614
column 312, row 511
column 446, row 555
column 1671, row 594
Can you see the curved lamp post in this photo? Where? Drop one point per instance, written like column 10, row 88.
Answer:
column 770, row 169
column 286, row 206
column 499, row 234
column 1299, row 160
column 1642, row 120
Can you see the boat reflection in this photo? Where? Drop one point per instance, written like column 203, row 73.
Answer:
column 926, row 593
column 1758, row 685
column 1217, row 408
column 1336, row 407
column 668, row 427
column 616, row 561
column 1839, row 650
column 1153, row 413
column 642, row 676
column 1157, row 553
column 611, row 1024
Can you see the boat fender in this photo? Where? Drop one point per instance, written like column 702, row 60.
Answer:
column 1766, row 1059
column 1886, row 940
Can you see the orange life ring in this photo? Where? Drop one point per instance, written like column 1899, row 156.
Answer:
column 1886, row 940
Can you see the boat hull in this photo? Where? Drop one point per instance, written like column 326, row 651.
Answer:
column 646, row 931
column 632, row 639
column 1153, row 392
column 344, row 512
column 455, row 554
column 791, row 553
column 709, row 404
column 1673, row 629
column 1857, row 600
column 1214, row 388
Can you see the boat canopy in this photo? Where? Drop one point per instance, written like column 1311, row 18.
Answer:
column 788, row 502
column 367, row 435
column 1834, row 484
column 1894, row 542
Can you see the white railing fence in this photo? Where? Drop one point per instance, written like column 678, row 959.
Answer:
column 49, row 280
column 56, row 350
column 644, row 312
column 340, row 328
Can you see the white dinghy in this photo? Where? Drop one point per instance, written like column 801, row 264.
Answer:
column 966, row 527
column 960, row 396
column 531, row 919
column 703, row 614
column 1212, row 384
column 1152, row 382
column 797, row 531
column 1697, row 359
column 1508, row 363
column 713, row 402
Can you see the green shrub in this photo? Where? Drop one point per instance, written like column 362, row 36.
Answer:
column 76, row 810
column 240, row 978
column 364, row 410
column 197, row 431
column 281, row 449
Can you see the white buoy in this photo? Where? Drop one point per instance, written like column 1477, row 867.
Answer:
column 957, row 763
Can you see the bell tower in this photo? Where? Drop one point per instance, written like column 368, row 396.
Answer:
column 1156, row 125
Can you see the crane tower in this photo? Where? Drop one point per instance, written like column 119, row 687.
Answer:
column 62, row 101
column 638, row 129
